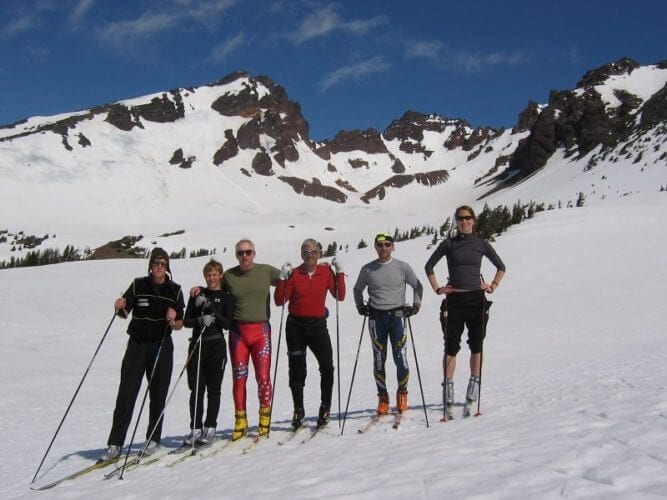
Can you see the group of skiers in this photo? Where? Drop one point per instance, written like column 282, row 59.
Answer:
column 238, row 300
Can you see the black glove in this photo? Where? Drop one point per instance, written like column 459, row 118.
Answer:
column 410, row 310
column 363, row 309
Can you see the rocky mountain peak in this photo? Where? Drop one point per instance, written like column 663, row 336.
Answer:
column 598, row 76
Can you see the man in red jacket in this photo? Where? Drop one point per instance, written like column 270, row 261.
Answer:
column 306, row 290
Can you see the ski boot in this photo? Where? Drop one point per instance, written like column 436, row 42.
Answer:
column 240, row 425
column 471, row 395
column 111, row 453
column 297, row 418
column 448, row 398
column 323, row 417
column 383, row 403
column 264, row 421
column 401, row 400
column 193, row 437
column 151, row 448
column 208, row 435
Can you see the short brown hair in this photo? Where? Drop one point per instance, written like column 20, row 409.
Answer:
column 212, row 264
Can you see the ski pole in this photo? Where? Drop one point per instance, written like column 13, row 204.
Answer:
column 337, row 347
column 445, row 387
column 76, row 392
column 194, row 417
column 419, row 377
column 354, row 370
column 143, row 401
column 485, row 319
column 275, row 368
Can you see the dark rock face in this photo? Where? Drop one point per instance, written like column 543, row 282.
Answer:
column 228, row 150
column 358, row 163
column 345, row 185
column 273, row 114
column 398, row 167
column 379, row 191
column 261, row 164
column 461, row 138
column 248, row 134
column 162, row 109
column 410, row 126
column 368, row 141
column 120, row 117
column 179, row 159
column 527, row 118
column 458, row 137
column 654, row 110
column 576, row 120
column 314, row 189
column 83, row 140
column 159, row 110
column 432, row 178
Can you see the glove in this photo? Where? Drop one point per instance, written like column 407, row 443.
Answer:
column 201, row 302
column 335, row 263
column 206, row 320
column 410, row 310
column 363, row 309
column 285, row 271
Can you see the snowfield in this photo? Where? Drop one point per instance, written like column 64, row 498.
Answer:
column 574, row 399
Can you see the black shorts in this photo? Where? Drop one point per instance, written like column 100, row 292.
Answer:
column 464, row 310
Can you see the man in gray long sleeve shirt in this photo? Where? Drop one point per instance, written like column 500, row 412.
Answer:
column 386, row 279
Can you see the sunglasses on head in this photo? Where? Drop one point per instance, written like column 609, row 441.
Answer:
column 247, row 253
column 463, row 217
column 310, row 252
column 385, row 244
column 160, row 263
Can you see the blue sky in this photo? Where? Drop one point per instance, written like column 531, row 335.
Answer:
column 350, row 64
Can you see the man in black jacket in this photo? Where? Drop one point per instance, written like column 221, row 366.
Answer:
column 156, row 303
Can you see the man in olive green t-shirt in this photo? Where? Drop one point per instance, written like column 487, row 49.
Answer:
column 250, row 335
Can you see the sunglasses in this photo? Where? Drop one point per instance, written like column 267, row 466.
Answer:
column 385, row 244
column 310, row 252
column 247, row 253
column 463, row 217
column 160, row 263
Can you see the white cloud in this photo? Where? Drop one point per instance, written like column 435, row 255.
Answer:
column 79, row 12
column 474, row 63
column 353, row 72
column 154, row 22
column 429, row 50
column 438, row 53
column 221, row 50
column 26, row 20
column 327, row 20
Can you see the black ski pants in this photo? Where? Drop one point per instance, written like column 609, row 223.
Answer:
column 311, row 333
column 213, row 362
column 138, row 361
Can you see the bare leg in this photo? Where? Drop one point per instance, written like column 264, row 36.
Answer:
column 475, row 364
column 450, row 365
